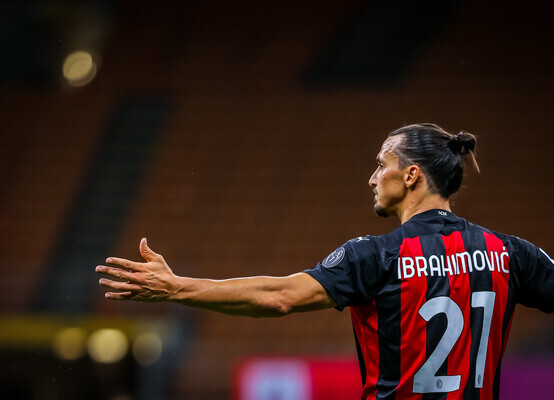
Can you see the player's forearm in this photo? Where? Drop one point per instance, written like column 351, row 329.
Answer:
column 259, row 296
column 254, row 296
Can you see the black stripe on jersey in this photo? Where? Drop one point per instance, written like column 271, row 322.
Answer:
column 361, row 359
column 505, row 322
column 436, row 286
column 388, row 330
column 478, row 282
column 508, row 313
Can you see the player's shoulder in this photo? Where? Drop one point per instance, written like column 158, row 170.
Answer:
column 376, row 243
column 516, row 246
column 509, row 240
column 361, row 244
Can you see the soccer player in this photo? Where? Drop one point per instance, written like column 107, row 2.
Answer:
column 431, row 302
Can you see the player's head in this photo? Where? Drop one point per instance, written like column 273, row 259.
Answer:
column 439, row 156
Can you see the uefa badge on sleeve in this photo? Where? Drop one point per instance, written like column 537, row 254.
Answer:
column 334, row 258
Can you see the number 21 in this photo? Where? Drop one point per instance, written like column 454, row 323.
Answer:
column 426, row 380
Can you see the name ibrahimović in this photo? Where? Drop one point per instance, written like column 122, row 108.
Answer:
column 453, row 264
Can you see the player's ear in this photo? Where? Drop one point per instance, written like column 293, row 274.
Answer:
column 412, row 174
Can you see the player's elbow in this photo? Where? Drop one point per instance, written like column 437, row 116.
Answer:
column 281, row 309
column 277, row 310
column 275, row 306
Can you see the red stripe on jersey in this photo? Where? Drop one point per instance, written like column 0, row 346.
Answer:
column 496, row 255
column 365, row 321
column 413, row 328
column 458, row 359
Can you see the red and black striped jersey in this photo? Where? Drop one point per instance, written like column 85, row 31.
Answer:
column 432, row 303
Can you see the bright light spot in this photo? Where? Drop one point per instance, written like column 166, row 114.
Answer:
column 147, row 349
column 79, row 68
column 70, row 343
column 107, row 345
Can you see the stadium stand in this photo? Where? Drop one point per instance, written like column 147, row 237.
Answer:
column 257, row 171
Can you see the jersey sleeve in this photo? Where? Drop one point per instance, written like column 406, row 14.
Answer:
column 350, row 273
column 535, row 276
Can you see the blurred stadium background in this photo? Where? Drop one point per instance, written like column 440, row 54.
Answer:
column 239, row 137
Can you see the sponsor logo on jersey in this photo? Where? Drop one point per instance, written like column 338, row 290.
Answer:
column 334, row 258
column 443, row 213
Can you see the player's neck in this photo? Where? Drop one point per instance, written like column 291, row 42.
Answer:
column 418, row 204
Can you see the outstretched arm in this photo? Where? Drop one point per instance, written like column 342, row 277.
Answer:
column 258, row 296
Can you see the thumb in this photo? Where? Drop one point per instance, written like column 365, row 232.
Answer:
column 145, row 251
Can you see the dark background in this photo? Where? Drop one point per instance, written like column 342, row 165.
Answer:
column 239, row 138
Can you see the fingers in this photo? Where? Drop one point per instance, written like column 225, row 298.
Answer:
column 118, row 296
column 120, row 286
column 123, row 263
column 126, row 290
column 116, row 272
column 146, row 252
column 127, row 287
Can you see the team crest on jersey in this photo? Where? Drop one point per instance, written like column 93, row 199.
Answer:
column 334, row 258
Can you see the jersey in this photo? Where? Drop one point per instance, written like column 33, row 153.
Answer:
column 432, row 302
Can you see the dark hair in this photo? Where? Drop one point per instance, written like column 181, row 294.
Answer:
column 439, row 154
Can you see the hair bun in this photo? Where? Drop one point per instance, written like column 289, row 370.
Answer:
column 462, row 143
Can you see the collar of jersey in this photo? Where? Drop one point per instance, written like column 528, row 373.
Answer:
column 432, row 214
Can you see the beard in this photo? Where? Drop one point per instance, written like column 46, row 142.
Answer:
column 380, row 211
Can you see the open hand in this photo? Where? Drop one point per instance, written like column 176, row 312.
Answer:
column 152, row 280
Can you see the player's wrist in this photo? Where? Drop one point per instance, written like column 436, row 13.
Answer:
column 182, row 289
